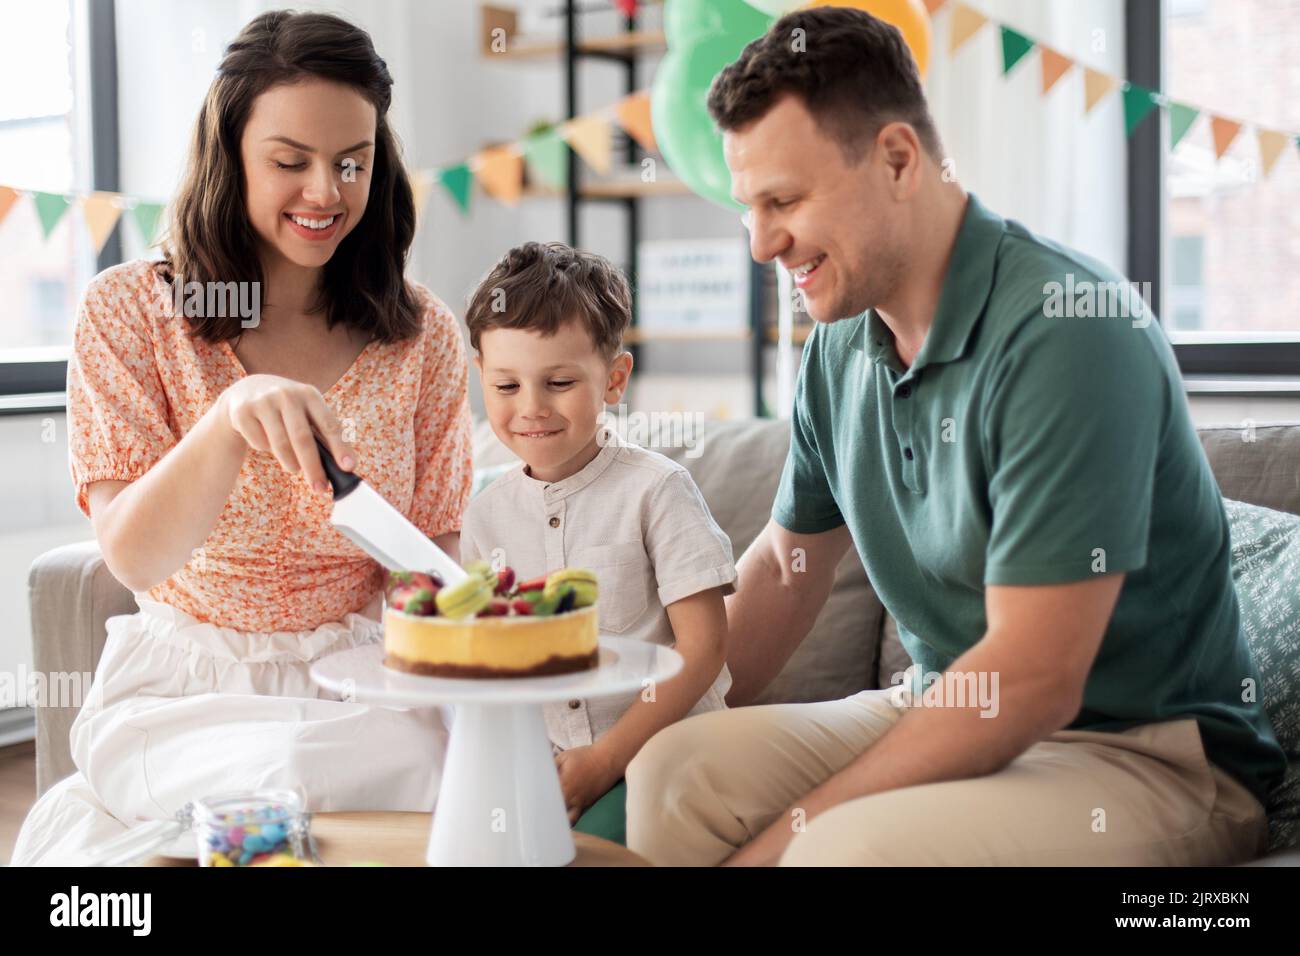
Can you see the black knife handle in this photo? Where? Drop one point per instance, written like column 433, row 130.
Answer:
column 341, row 481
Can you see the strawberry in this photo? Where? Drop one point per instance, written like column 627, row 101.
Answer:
column 536, row 584
column 413, row 600
column 499, row 607
column 520, row 606
column 505, row 580
column 417, row 578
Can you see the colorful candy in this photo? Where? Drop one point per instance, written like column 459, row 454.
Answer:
column 244, row 829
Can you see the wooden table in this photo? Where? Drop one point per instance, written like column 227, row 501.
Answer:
column 400, row 839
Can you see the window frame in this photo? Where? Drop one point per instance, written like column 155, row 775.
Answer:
column 1225, row 354
column 41, row 381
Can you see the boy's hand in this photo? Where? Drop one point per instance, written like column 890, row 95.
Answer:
column 586, row 773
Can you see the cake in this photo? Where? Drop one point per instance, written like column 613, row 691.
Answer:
column 488, row 626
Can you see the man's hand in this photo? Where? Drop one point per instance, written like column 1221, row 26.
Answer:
column 586, row 774
column 1041, row 643
column 783, row 580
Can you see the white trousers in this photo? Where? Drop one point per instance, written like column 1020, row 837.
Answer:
column 181, row 709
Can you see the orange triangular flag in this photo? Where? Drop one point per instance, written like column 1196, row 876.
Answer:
column 7, row 199
column 1271, row 144
column 1095, row 86
column 101, row 212
column 1055, row 66
column 589, row 137
column 964, row 23
column 421, row 186
column 501, row 172
column 1225, row 131
column 634, row 116
column 932, row 6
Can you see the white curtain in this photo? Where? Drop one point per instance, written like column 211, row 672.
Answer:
column 1035, row 158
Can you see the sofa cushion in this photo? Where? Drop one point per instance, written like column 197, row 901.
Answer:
column 1266, row 570
column 737, row 464
column 1257, row 464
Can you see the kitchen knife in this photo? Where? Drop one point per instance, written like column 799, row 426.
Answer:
column 379, row 529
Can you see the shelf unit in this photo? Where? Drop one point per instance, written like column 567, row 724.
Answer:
column 625, row 48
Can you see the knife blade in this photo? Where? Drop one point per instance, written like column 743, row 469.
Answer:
column 379, row 529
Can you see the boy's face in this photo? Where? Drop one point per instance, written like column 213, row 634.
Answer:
column 544, row 394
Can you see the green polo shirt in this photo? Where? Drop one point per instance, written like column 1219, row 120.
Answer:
column 1038, row 438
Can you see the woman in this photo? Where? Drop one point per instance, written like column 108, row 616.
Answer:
column 196, row 384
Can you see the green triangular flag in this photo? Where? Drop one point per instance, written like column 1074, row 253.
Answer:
column 1138, row 102
column 547, row 155
column 457, row 181
column 146, row 216
column 1181, row 119
column 1014, row 47
column 50, row 207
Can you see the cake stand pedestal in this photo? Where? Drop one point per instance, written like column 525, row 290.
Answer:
column 499, row 801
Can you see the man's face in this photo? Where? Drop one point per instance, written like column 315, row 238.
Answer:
column 809, row 207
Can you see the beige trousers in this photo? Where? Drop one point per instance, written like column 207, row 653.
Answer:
column 1148, row 796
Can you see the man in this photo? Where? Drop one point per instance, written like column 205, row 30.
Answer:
column 1024, row 485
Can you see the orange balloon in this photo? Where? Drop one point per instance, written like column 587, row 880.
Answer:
column 910, row 16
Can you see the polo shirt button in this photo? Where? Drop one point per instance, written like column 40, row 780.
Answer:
column 555, row 522
column 905, row 391
column 907, row 453
column 574, row 704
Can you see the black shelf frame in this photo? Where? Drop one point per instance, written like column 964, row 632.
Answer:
column 631, row 205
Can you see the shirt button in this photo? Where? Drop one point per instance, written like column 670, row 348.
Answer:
column 905, row 391
column 574, row 704
column 555, row 522
column 907, row 453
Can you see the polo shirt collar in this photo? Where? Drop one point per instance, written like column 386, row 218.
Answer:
column 610, row 442
column 966, row 286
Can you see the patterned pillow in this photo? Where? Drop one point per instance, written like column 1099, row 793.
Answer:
column 1266, row 570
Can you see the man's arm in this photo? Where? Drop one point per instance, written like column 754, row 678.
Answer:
column 1041, row 642
column 783, row 580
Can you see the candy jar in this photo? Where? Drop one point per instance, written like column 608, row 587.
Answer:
column 241, row 829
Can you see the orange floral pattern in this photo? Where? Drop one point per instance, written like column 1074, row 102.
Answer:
column 137, row 383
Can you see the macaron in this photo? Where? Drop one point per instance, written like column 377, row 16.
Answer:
column 464, row 599
column 581, row 580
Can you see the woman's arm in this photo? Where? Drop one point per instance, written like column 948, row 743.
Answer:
column 148, row 528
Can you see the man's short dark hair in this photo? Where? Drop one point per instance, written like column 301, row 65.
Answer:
column 853, row 72
column 542, row 285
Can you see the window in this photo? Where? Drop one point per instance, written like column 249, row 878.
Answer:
column 1223, row 237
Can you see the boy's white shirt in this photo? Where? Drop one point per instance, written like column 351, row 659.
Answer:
column 632, row 516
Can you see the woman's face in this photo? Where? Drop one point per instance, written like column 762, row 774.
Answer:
column 307, row 151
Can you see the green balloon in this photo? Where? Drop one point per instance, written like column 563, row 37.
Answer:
column 703, row 37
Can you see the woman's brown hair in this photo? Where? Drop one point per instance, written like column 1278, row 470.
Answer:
column 209, row 237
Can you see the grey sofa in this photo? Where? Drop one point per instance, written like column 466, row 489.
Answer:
column 736, row 464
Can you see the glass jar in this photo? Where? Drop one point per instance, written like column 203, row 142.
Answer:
column 259, row 826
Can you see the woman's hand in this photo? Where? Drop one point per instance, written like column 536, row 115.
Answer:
column 281, row 416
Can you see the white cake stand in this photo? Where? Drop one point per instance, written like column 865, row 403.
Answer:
column 499, row 801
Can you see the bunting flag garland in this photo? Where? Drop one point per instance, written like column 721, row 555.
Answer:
column 7, row 199
column 1139, row 102
column 499, row 169
column 101, row 212
column 590, row 139
column 548, row 158
column 457, row 180
column 1181, row 119
column 1054, row 66
column 146, row 216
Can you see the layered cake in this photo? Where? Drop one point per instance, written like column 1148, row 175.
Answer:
column 490, row 626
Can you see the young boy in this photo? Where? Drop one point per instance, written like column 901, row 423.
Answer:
column 547, row 325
